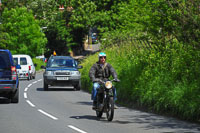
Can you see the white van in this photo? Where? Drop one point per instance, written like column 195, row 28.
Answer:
column 27, row 69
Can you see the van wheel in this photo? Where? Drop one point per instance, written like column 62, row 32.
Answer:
column 34, row 76
column 15, row 97
column 31, row 76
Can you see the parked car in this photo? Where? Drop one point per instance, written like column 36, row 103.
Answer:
column 62, row 71
column 94, row 38
column 27, row 70
column 9, row 83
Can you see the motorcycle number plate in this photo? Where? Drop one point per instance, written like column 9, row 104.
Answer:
column 62, row 78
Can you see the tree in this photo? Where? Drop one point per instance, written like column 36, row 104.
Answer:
column 23, row 32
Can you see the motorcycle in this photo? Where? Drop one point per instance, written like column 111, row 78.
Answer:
column 105, row 99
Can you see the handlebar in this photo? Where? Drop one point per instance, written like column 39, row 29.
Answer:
column 116, row 80
column 101, row 81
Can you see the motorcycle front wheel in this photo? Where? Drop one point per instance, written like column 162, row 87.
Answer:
column 99, row 112
column 110, row 109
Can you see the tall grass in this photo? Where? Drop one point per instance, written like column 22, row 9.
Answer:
column 164, row 82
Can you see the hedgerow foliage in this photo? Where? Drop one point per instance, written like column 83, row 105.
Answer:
column 166, row 82
column 155, row 51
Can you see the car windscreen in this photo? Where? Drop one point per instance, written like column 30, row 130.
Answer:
column 4, row 61
column 62, row 63
column 23, row 61
column 16, row 61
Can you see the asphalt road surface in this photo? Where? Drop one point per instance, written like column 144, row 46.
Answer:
column 68, row 111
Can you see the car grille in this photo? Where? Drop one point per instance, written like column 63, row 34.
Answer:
column 62, row 73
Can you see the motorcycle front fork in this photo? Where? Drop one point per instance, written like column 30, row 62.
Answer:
column 103, row 98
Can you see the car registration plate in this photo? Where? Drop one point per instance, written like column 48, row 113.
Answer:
column 62, row 78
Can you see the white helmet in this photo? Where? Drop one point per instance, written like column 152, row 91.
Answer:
column 102, row 54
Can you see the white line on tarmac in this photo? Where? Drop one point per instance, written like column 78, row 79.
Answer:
column 40, row 80
column 25, row 95
column 30, row 103
column 77, row 129
column 34, row 82
column 29, row 85
column 51, row 116
column 26, row 89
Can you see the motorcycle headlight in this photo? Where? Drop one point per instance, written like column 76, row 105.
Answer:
column 75, row 73
column 108, row 84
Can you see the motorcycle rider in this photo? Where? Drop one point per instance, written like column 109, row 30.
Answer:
column 101, row 70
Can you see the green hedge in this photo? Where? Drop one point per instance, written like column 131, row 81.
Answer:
column 39, row 63
column 164, row 82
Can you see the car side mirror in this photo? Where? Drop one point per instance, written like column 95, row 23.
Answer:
column 80, row 67
column 18, row 66
column 43, row 67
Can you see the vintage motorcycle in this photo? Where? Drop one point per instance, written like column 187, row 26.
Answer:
column 105, row 99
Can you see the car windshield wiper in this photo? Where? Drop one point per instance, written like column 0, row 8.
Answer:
column 61, row 66
column 64, row 66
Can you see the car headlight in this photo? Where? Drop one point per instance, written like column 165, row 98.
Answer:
column 108, row 84
column 49, row 72
column 75, row 73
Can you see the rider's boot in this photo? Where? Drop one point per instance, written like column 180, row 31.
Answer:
column 94, row 105
column 115, row 107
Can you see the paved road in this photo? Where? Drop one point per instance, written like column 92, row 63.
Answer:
column 69, row 111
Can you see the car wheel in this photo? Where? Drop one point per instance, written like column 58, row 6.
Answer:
column 29, row 77
column 78, row 86
column 34, row 76
column 15, row 97
column 45, row 86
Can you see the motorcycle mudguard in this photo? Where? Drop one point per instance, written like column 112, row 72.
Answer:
column 111, row 94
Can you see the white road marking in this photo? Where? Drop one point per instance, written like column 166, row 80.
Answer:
column 51, row 116
column 45, row 113
column 75, row 128
column 26, row 89
column 29, row 85
column 34, row 82
column 30, row 103
column 25, row 95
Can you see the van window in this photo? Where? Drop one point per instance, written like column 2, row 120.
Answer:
column 4, row 60
column 16, row 61
column 23, row 61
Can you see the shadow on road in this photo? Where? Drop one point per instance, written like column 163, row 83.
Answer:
column 4, row 101
column 152, row 121
column 85, row 103
column 102, row 119
column 88, row 117
column 56, row 89
column 147, row 121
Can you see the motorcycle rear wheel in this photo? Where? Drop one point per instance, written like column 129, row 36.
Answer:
column 110, row 109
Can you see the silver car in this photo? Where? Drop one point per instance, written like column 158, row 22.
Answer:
column 62, row 71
